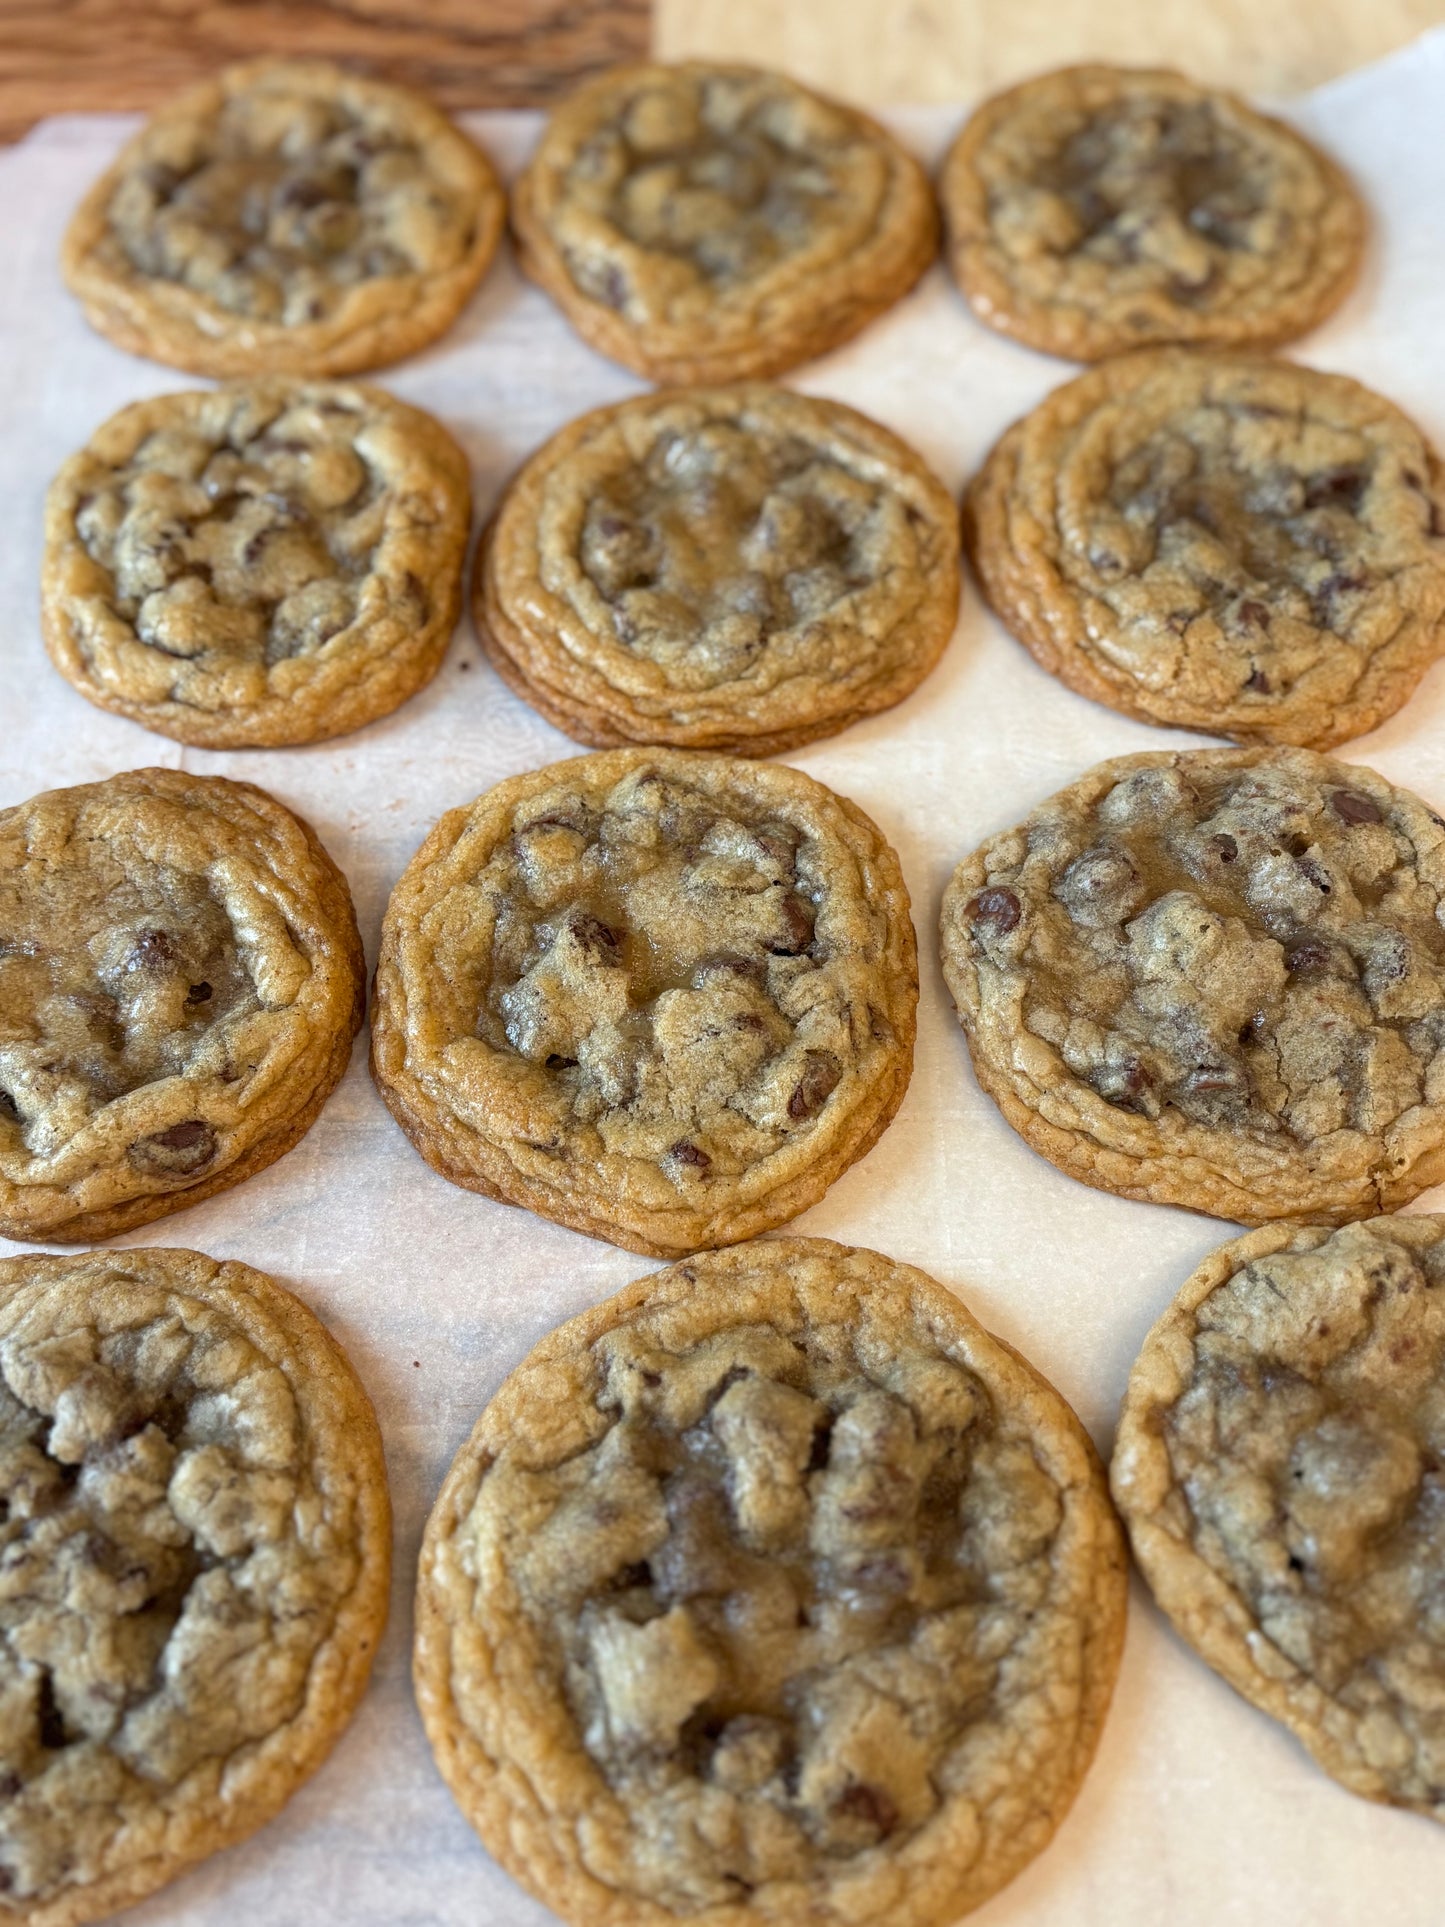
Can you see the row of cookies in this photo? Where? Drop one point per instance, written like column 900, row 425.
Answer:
column 703, row 223
column 666, row 998
column 1232, row 544
column 772, row 1583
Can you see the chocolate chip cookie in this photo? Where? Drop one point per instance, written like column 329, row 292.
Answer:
column 1224, row 543
column 180, row 981
column 732, row 568
column 285, row 218
column 254, row 566
column 1278, row 1465
column 661, row 997
column 774, row 1588
column 1215, row 978
column 706, row 223
column 195, row 1543
column 1104, row 208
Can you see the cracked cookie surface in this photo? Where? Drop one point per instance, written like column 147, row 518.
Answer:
column 706, row 223
column 180, row 981
column 194, row 1553
column 1215, row 978
column 1098, row 209
column 740, row 568
column 1222, row 543
column 274, row 563
column 286, row 218
column 661, row 997
column 1278, row 1465
column 772, row 1588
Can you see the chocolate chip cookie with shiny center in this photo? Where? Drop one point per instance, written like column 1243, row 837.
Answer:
column 194, row 1552
column 706, row 223
column 273, row 563
column 1223, row 543
column 661, row 997
column 1102, row 208
column 180, row 981
column 1217, row 979
column 772, row 1589
column 286, row 218
column 737, row 568
column 1278, row 1465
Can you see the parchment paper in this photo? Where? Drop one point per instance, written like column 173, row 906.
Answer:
column 1198, row 1810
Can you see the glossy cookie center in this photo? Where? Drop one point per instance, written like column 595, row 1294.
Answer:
column 726, row 536
column 115, row 972
column 1308, row 1446
column 1255, row 950
column 282, row 203
column 1265, row 529
column 670, row 961
column 153, row 1488
column 723, row 178
column 784, row 1589
column 244, row 536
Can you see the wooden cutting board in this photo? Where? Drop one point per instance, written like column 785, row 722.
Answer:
column 60, row 56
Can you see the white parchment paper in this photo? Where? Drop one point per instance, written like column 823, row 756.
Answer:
column 1198, row 1810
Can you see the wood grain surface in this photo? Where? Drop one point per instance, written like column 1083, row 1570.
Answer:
column 62, row 56
column 59, row 56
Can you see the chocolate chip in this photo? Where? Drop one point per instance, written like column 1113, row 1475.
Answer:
column 685, row 1152
column 1125, row 1085
column 1336, row 488
column 1307, row 957
column 153, row 951
column 871, row 1805
column 301, row 193
column 598, row 940
column 728, row 963
column 997, row 907
column 797, row 925
column 1224, row 847
column 1255, row 613
column 199, row 994
column 53, row 1734
column 178, row 1151
column 1211, row 1077
column 821, row 1072
column 1350, row 807
column 1258, row 682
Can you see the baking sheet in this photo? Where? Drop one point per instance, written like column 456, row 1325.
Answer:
column 1198, row 1809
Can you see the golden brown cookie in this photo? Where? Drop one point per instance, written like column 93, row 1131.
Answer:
column 195, row 1540
column 705, row 223
column 772, row 1589
column 180, row 981
column 1215, row 978
column 740, row 568
column 1277, row 1465
column 248, row 567
column 285, row 218
column 1219, row 542
column 661, row 997
column 1102, row 208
